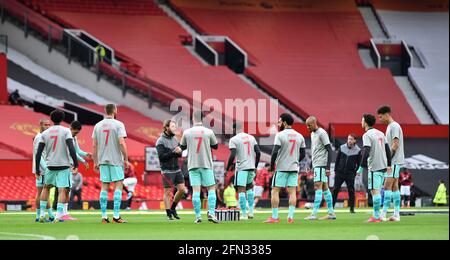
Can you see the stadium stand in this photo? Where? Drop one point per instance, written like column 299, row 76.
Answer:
column 139, row 127
column 135, row 7
column 6, row 154
column 160, row 57
column 313, row 46
column 27, row 78
column 56, row 85
column 424, row 25
column 21, row 188
column 21, row 125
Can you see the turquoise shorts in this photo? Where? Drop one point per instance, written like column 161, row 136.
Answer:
column 244, row 178
column 50, row 178
column 320, row 175
column 395, row 172
column 202, row 177
column 376, row 180
column 285, row 179
column 40, row 182
column 59, row 179
column 111, row 173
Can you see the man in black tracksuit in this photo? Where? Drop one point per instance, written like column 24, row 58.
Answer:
column 169, row 152
column 347, row 162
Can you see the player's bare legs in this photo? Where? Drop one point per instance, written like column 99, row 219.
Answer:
column 66, row 216
column 62, row 198
column 275, row 205
column 251, row 201
column 292, row 203
column 318, row 187
column 44, row 203
column 37, row 203
column 38, row 206
column 104, row 202
column 197, row 203
column 395, row 191
column 329, row 199
column 212, row 200
column 243, row 201
column 388, row 184
column 376, row 195
column 118, row 187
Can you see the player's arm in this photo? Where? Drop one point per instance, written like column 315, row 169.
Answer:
column 73, row 154
column 330, row 156
column 214, row 142
column 79, row 158
column 364, row 157
column 273, row 160
column 231, row 159
column 302, row 154
column 95, row 154
column 38, row 158
column 43, row 163
column 122, row 135
column 358, row 159
column 394, row 148
column 80, row 152
column 257, row 155
column 388, row 155
column 124, row 151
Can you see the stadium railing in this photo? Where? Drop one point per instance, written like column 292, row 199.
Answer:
column 127, row 74
column 52, row 32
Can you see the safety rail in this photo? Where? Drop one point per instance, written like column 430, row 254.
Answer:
column 128, row 74
column 32, row 21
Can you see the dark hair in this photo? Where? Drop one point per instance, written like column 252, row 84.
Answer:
column 369, row 119
column 384, row 110
column 354, row 136
column 76, row 125
column 167, row 123
column 197, row 116
column 109, row 109
column 288, row 119
column 57, row 116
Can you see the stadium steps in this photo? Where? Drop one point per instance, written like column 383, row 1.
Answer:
column 307, row 66
column 27, row 78
column 56, row 61
column 377, row 30
column 373, row 22
column 170, row 11
column 414, row 100
column 364, row 53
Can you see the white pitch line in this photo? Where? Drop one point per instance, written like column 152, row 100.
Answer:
column 28, row 235
column 189, row 212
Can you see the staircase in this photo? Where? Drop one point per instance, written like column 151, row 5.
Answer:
column 404, row 83
column 192, row 31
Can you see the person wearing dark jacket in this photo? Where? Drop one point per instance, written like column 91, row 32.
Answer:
column 169, row 152
column 347, row 162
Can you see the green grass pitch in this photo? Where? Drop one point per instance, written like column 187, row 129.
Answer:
column 153, row 225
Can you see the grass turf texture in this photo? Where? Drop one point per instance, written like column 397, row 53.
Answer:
column 153, row 225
